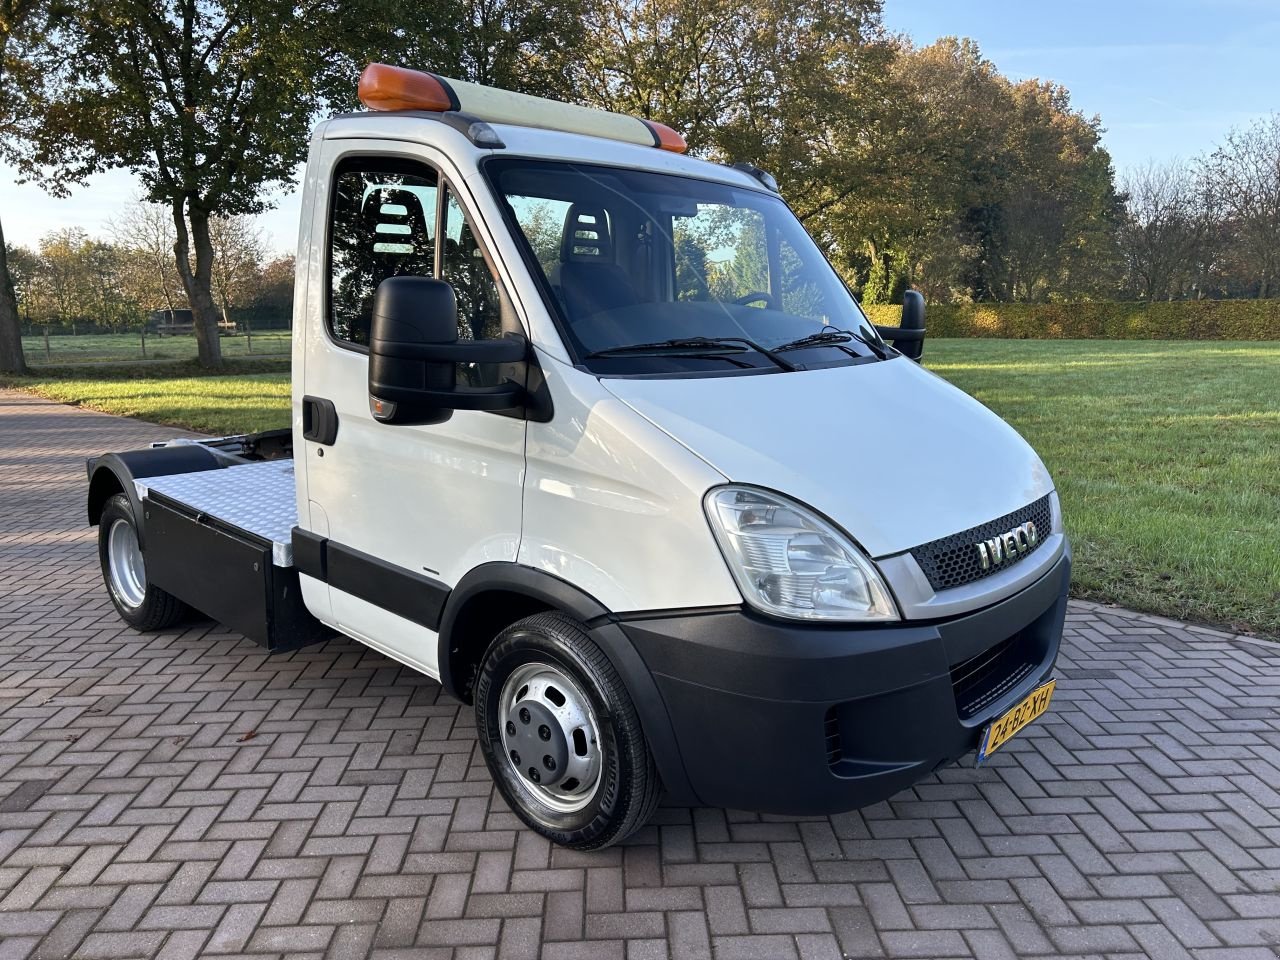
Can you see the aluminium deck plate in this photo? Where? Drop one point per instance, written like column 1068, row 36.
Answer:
column 258, row 498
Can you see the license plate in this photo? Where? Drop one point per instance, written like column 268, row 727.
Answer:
column 1001, row 730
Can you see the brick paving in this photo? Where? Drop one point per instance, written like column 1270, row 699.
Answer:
column 185, row 794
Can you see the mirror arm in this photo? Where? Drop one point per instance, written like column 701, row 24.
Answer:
column 893, row 334
column 510, row 348
column 504, row 396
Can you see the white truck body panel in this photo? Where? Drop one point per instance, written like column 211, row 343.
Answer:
column 437, row 499
column 821, row 436
column 614, row 506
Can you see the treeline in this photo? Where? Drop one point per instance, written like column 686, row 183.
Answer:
column 919, row 167
column 72, row 283
column 1209, row 228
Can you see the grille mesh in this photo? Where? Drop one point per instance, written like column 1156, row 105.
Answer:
column 982, row 680
column 953, row 561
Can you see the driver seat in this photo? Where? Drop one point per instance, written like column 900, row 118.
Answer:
column 588, row 279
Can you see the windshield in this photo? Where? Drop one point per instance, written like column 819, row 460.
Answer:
column 639, row 264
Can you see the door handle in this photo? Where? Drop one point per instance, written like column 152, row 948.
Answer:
column 319, row 420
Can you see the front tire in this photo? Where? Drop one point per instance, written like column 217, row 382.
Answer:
column 140, row 603
column 561, row 736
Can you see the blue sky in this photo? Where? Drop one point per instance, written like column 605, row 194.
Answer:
column 1168, row 77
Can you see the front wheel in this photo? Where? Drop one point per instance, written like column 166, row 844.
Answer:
column 561, row 736
column 141, row 604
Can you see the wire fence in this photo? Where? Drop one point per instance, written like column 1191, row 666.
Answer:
column 61, row 348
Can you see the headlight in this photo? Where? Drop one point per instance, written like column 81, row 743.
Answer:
column 791, row 563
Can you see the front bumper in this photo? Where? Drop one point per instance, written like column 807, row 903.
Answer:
column 798, row 718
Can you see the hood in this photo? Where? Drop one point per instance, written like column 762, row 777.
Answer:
column 892, row 453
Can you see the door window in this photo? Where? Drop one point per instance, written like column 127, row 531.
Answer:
column 382, row 224
column 463, row 265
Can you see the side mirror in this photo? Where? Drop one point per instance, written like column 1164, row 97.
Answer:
column 414, row 351
column 908, row 338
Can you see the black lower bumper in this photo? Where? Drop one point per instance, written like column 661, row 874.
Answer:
column 808, row 719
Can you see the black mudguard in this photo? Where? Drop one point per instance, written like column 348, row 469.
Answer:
column 114, row 473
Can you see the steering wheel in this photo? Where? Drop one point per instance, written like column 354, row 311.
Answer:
column 755, row 295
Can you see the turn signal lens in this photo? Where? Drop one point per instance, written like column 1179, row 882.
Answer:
column 790, row 562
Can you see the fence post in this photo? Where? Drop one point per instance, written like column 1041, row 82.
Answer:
column 143, row 332
column 48, row 357
column 248, row 332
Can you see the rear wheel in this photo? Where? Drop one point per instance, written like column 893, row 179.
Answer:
column 141, row 604
column 561, row 736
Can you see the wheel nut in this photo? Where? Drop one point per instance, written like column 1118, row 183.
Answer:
column 544, row 732
column 511, row 729
column 515, row 758
column 549, row 762
column 524, row 715
column 534, row 775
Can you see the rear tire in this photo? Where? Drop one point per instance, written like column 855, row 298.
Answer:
column 561, row 735
column 140, row 603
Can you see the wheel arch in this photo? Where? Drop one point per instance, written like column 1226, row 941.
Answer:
column 114, row 473
column 494, row 595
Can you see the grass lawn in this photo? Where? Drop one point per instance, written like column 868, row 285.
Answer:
column 108, row 347
column 255, row 397
column 1167, row 459
column 1166, row 454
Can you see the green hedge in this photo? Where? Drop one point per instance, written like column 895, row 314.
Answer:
column 1178, row 320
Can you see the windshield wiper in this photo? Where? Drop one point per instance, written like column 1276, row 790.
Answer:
column 705, row 346
column 833, row 338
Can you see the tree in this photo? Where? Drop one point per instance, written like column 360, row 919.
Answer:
column 665, row 60
column 938, row 136
column 24, row 269
column 1241, row 178
column 1050, row 228
column 273, row 296
column 976, row 187
column 513, row 44
column 106, row 299
column 66, row 296
column 12, row 359
column 24, row 27
column 208, row 103
column 1165, row 232
column 146, row 234
column 237, row 255
column 788, row 86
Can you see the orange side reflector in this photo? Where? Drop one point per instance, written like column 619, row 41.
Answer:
column 667, row 138
column 383, row 87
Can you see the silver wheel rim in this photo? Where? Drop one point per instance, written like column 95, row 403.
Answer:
column 124, row 564
column 538, row 696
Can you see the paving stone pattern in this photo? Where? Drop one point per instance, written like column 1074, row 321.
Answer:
column 185, row 794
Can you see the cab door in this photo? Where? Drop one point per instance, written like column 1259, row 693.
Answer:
column 407, row 510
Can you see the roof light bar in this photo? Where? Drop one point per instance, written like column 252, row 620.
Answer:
column 395, row 88
column 384, row 87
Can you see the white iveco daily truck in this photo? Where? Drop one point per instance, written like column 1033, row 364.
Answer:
column 592, row 433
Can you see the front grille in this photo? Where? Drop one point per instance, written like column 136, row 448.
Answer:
column 953, row 561
column 983, row 679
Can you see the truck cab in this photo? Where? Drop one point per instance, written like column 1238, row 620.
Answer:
column 591, row 432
